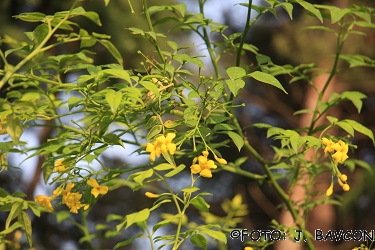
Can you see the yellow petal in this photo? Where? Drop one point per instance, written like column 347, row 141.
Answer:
column 150, row 147
column 337, row 157
column 326, row 141
column 92, row 182
column 195, row 169
column 206, row 173
column 161, row 139
column 152, row 156
column 202, row 160
column 163, row 148
column 344, row 157
column 170, row 137
column 99, row 190
column 346, row 187
column 171, row 148
column 205, row 153
column 211, row 164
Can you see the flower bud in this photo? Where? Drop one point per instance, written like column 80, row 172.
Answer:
column 329, row 191
column 346, row 187
column 343, row 178
column 151, row 195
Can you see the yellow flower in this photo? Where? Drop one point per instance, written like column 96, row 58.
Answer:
column 329, row 145
column 162, row 145
column 341, row 152
column 151, row 195
column 67, row 190
column 340, row 147
column 44, row 201
column 248, row 248
column 96, row 188
column 59, row 166
column 72, row 202
column 204, row 165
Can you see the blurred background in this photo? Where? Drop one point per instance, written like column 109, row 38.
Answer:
column 282, row 40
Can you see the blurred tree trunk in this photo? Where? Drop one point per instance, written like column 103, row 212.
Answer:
column 321, row 217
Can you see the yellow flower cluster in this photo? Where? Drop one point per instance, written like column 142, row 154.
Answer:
column 59, row 166
column 339, row 152
column 162, row 145
column 71, row 199
column 204, row 165
column 340, row 147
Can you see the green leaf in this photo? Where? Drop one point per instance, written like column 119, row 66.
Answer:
column 223, row 126
column 13, row 227
column 238, row 140
column 337, row 14
column 295, row 139
column 332, row 119
column 141, row 176
column 288, row 7
column 346, row 126
column 31, row 16
column 216, row 119
column 113, row 99
column 151, row 87
column 14, row 211
column 355, row 97
column 14, row 128
column 361, row 129
column 62, row 215
column 163, row 166
column 303, row 111
column 86, row 39
column 309, row 7
column 113, row 50
column 267, row 78
column 220, row 236
column 25, row 222
column 40, row 33
column 93, row 16
column 235, row 85
column 126, row 242
column 120, row 73
column 155, row 130
column 113, row 139
column 199, row 241
column 173, row 45
column 190, row 189
column 165, row 222
column 3, row 193
column 200, row 204
column 137, row 217
column 235, row 72
column 74, row 101
column 175, row 171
